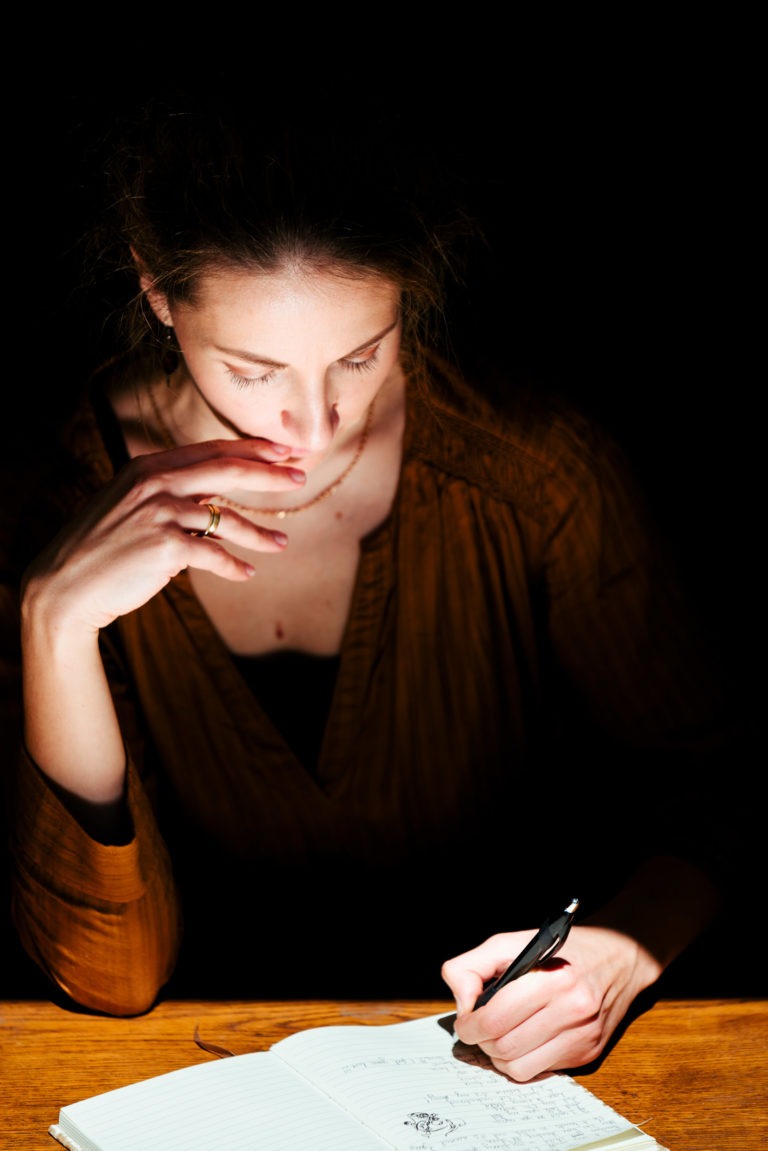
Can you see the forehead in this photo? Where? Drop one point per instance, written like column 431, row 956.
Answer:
column 295, row 298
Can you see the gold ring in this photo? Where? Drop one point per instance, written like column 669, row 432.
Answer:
column 213, row 522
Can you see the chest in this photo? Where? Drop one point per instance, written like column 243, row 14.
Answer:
column 297, row 599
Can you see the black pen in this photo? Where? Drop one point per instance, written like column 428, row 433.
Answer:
column 548, row 939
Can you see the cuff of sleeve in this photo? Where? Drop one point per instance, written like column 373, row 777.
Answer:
column 49, row 842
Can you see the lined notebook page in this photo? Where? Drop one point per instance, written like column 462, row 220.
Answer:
column 404, row 1086
column 406, row 1082
column 239, row 1103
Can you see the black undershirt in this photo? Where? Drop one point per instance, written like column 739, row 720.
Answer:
column 295, row 690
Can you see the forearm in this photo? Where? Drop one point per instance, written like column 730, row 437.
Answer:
column 665, row 906
column 70, row 725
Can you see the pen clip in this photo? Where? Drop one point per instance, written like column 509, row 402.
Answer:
column 554, row 946
column 558, row 927
column 548, row 940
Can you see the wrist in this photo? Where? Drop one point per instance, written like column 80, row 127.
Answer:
column 47, row 627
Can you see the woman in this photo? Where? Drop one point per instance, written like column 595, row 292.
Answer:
column 336, row 675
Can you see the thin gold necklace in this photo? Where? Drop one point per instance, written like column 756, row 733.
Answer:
column 280, row 513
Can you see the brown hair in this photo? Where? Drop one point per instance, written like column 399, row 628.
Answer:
column 196, row 186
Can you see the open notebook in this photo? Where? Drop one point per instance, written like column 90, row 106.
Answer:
column 409, row 1086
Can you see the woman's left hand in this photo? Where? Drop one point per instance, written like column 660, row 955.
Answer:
column 561, row 1014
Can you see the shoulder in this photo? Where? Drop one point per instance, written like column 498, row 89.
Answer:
column 523, row 446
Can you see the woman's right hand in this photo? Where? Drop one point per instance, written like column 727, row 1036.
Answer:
column 118, row 551
column 147, row 525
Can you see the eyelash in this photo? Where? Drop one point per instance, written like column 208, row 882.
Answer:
column 247, row 382
column 349, row 365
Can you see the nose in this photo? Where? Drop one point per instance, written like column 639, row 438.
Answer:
column 310, row 423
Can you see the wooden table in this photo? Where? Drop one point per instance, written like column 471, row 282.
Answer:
column 693, row 1073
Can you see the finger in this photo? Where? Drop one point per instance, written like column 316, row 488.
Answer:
column 201, row 468
column 467, row 974
column 256, row 448
column 525, row 1023
column 208, row 554
column 223, row 523
column 504, row 1014
column 543, row 1047
column 214, row 519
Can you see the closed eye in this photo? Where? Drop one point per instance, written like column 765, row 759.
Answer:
column 251, row 381
column 363, row 361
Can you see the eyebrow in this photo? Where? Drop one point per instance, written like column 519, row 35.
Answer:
column 255, row 358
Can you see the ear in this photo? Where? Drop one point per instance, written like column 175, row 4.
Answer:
column 158, row 301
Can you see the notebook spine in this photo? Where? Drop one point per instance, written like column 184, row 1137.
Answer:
column 65, row 1140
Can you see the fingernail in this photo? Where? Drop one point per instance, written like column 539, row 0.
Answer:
column 300, row 477
column 280, row 538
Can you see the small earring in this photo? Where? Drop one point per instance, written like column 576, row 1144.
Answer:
column 170, row 357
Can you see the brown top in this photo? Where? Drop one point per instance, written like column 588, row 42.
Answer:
column 519, row 711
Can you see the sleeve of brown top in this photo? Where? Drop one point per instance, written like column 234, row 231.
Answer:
column 101, row 921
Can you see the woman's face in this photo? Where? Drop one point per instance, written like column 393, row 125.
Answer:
column 293, row 356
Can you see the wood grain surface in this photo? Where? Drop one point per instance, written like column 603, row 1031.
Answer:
column 693, row 1073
